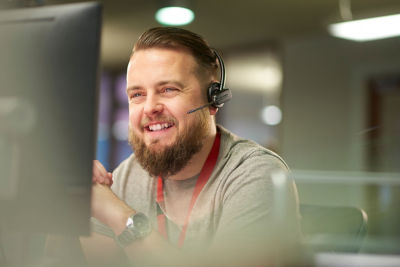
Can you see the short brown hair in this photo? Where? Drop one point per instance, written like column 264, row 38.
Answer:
column 175, row 38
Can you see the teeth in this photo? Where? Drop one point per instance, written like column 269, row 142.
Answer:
column 158, row 127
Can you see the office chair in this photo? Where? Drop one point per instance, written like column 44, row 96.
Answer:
column 333, row 228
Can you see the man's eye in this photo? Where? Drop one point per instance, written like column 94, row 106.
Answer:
column 169, row 89
column 135, row 95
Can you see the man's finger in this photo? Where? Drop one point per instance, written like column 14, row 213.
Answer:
column 100, row 174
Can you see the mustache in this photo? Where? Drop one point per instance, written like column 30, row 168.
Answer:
column 168, row 119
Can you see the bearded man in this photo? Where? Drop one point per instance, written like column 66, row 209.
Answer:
column 191, row 187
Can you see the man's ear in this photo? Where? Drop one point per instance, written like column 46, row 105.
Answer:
column 213, row 110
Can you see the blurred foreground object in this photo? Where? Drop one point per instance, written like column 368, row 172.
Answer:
column 48, row 99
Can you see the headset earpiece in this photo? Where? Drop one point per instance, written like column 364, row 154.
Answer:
column 213, row 92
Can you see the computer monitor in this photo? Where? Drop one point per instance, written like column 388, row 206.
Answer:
column 48, row 104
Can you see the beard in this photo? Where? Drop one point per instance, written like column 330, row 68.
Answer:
column 173, row 158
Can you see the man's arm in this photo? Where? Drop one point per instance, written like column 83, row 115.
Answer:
column 114, row 213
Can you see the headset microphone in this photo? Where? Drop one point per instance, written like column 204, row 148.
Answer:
column 217, row 95
column 196, row 109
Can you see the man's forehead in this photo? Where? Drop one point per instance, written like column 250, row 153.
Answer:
column 164, row 58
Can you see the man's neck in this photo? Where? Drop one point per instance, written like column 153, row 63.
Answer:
column 196, row 163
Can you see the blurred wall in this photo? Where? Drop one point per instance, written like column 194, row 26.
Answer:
column 324, row 99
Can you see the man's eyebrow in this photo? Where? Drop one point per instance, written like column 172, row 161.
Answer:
column 178, row 83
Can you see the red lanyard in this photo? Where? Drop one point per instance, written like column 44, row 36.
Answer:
column 201, row 181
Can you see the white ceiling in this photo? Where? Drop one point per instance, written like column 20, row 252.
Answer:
column 228, row 23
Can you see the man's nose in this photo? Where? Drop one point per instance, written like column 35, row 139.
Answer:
column 152, row 105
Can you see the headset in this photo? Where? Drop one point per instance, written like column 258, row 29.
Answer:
column 217, row 94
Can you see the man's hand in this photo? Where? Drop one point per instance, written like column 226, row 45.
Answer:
column 100, row 174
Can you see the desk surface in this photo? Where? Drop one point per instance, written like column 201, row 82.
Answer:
column 356, row 260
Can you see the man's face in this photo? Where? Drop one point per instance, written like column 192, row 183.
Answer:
column 162, row 86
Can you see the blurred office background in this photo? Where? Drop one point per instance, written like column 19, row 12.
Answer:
column 329, row 106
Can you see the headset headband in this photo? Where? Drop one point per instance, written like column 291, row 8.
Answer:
column 222, row 70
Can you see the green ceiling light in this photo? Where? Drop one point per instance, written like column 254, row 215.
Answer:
column 175, row 14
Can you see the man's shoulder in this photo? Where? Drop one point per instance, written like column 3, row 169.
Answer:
column 235, row 148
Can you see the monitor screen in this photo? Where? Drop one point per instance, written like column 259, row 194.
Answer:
column 48, row 104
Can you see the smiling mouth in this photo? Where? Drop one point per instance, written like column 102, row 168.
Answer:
column 159, row 126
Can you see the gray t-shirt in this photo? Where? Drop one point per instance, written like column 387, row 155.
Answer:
column 240, row 196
